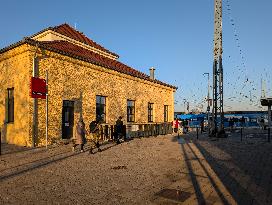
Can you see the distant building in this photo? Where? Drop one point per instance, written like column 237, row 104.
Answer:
column 84, row 79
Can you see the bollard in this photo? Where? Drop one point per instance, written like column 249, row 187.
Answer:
column 268, row 139
column 241, row 134
column 196, row 132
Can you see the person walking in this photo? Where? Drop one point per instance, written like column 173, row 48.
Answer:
column 79, row 135
column 94, row 131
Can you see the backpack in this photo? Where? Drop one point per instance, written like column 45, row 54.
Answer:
column 93, row 126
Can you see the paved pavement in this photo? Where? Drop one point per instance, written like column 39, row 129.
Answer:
column 155, row 170
column 228, row 170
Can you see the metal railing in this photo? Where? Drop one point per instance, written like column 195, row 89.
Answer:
column 256, row 133
column 134, row 130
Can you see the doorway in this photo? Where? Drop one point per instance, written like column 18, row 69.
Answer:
column 67, row 119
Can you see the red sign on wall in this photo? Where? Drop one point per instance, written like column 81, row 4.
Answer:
column 38, row 88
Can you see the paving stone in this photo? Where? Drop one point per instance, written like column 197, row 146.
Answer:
column 213, row 172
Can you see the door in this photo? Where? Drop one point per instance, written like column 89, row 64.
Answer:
column 67, row 119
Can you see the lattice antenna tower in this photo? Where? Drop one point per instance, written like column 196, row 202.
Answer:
column 218, row 111
column 263, row 88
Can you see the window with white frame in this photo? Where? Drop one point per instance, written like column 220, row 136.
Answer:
column 130, row 111
column 165, row 113
column 10, row 105
column 100, row 108
column 150, row 112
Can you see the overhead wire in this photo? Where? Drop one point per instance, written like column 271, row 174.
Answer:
column 247, row 85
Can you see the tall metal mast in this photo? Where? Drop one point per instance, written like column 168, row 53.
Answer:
column 218, row 112
column 263, row 88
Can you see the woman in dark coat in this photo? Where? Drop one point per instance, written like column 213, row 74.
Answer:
column 79, row 136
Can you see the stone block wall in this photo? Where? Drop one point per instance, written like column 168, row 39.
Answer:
column 15, row 71
column 73, row 79
column 69, row 77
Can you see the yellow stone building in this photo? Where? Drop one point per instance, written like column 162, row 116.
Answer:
column 84, row 79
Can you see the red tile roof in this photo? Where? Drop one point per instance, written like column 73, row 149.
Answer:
column 68, row 31
column 72, row 50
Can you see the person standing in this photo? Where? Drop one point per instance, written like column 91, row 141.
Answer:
column 119, row 130
column 243, row 120
column 186, row 125
column 202, row 126
column 176, row 125
column 183, row 127
column 231, row 123
column 79, row 136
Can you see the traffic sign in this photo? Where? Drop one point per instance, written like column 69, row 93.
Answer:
column 37, row 88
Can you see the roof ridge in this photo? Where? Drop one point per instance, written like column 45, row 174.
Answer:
column 93, row 58
column 75, row 51
column 66, row 29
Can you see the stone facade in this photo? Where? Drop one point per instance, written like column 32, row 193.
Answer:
column 72, row 79
column 15, row 72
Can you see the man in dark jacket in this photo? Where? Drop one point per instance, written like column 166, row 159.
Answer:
column 119, row 130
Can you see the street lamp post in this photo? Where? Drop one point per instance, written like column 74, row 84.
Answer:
column 184, row 102
column 208, row 97
column 35, row 73
column 188, row 106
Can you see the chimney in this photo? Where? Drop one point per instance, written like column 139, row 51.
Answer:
column 152, row 73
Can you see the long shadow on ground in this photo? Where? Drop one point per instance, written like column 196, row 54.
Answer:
column 246, row 165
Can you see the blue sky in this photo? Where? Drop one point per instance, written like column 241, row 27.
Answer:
column 174, row 36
